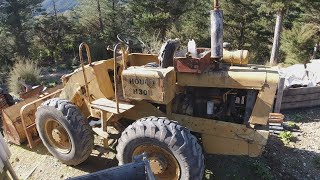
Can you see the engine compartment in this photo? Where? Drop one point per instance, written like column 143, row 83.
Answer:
column 223, row 104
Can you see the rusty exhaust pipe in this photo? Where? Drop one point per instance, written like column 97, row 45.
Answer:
column 216, row 31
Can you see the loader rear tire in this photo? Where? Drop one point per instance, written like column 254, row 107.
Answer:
column 172, row 150
column 64, row 131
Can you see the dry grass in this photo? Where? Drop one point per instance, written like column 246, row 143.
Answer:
column 27, row 70
column 153, row 43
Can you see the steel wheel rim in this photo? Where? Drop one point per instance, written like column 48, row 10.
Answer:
column 57, row 136
column 163, row 164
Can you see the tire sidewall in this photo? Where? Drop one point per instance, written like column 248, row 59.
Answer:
column 44, row 114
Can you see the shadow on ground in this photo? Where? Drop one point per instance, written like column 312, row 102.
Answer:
column 277, row 162
column 95, row 163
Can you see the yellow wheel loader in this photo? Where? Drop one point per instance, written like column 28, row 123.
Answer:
column 172, row 108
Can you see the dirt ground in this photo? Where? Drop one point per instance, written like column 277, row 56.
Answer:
column 299, row 159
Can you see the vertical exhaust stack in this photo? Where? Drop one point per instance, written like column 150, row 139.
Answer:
column 216, row 32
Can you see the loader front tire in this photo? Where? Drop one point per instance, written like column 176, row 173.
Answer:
column 173, row 152
column 64, row 131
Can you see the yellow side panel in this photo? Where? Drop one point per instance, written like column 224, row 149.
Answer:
column 222, row 129
column 137, row 59
column 236, row 77
column 219, row 145
column 220, row 137
column 103, row 78
column 77, row 76
column 265, row 99
column 154, row 84
column 225, row 146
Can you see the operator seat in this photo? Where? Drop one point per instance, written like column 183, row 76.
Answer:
column 166, row 54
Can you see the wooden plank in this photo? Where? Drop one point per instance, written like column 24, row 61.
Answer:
column 301, row 91
column 298, row 98
column 279, row 96
column 275, row 124
column 110, row 106
column 277, row 128
column 276, row 115
column 293, row 105
column 275, row 121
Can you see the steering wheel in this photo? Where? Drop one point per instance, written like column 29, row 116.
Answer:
column 135, row 44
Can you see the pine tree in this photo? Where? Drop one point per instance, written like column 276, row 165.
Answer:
column 158, row 15
column 15, row 16
column 280, row 8
column 245, row 27
column 298, row 42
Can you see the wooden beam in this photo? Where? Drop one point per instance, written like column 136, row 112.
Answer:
column 301, row 91
column 293, row 105
column 277, row 105
column 299, row 98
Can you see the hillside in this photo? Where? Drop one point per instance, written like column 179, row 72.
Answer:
column 61, row 5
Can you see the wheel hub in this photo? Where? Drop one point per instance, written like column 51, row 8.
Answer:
column 158, row 165
column 60, row 136
column 163, row 164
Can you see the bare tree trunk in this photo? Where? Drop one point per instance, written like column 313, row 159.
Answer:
column 55, row 10
column 276, row 39
column 100, row 16
column 58, row 37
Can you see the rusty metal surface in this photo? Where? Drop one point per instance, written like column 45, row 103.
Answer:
column 32, row 92
column 18, row 120
column 3, row 102
column 162, row 163
column 193, row 65
column 27, row 116
column 12, row 124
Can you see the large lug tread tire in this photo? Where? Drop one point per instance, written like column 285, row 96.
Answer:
column 169, row 134
column 77, row 127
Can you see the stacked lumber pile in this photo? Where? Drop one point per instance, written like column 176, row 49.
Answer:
column 300, row 97
column 276, row 122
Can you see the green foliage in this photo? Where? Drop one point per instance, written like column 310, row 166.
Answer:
column 159, row 16
column 245, row 27
column 292, row 124
column 55, row 40
column 52, row 39
column 193, row 24
column 298, row 43
column 153, row 43
column 286, row 136
column 15, row 16
column 263, row 171
column 297, row 117
column 101, row 21
column 50, row 83
column 25, row 69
